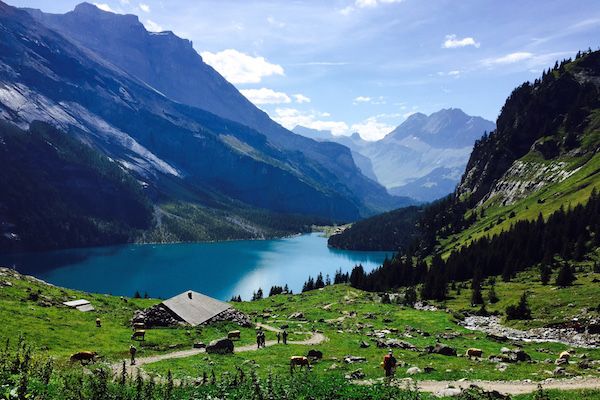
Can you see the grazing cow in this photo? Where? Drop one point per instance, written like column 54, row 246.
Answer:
column 299, row 361
column 139, row 326
column 139, row 335
column 234, row 335
column 565, row 355
column 474, row 353
column 84, row 357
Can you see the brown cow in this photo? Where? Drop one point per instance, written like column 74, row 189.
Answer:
column 139, row 335
column 300, row 361
column 474, row 353
column 84, row 357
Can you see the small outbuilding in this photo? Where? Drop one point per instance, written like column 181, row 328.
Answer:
column 190, row 308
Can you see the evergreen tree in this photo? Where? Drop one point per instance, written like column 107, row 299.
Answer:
column 545, row 273
column 137, row 295
column 519, row 311
column 476, row 296
column 492, row 296
column 319, row 283
column 565, row 276
column 410, row 296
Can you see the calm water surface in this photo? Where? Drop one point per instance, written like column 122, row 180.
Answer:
column 217, row 269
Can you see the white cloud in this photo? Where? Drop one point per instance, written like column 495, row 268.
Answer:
column 104, row 7
column 238, row 67
column 362, row 99
column 452, row 42
column 374, row 3
column 291, row 117
column 124, row 1
column 366, row 4
column 272, row 21
column 509, row 58
column 372, row 128
column 300, row 98
column 370, row 100
column 152, row 26
column 145, row 7
column 454, row 73
column 265, row 96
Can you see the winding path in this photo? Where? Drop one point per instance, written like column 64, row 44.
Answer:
column 505, row 387
column 133, row 370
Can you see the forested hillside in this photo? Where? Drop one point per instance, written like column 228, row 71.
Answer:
column 528, row 196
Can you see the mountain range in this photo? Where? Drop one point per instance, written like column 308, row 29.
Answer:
column 423, row 158
column 148, row 103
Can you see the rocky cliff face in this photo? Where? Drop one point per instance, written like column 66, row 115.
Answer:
column 553, row 120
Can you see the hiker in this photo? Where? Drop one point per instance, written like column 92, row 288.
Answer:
column 278, row 337
column 389, row 364
column 263, row 339
column 132, row 351
column 98, row 323
column 285, row 336
column 258, row 338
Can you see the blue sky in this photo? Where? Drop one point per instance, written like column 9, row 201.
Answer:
column 365, row 65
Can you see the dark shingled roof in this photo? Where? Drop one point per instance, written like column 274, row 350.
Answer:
column 195, row 308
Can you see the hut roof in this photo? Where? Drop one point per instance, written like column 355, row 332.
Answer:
column 195, row 308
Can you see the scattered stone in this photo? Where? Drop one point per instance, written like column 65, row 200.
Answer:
column 220, row 346
column 364, row 345
column 442, row 349
column 395, row 343
column 296, row 315
column 354, row 359
column 315, row 354
column 333, row 367
column 448, row 392
column 357, row 374
column 558, row 371
column 501, row 367
column 413, row 371
column 199, row 345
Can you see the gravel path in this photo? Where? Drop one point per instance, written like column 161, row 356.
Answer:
column 441, row 388
column 132, row 370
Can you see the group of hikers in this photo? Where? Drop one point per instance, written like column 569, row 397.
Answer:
column 261, row 340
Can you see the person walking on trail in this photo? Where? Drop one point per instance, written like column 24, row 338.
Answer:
column 284, row 336
column 132, row 351
column 278, row 337
column 258, row 339
column 389, row 364
column 262, row 338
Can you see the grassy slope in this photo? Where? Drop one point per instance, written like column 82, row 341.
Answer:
column 63, row 331
column 572, row 191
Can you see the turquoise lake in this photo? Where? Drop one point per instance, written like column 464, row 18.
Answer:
column 221, row 269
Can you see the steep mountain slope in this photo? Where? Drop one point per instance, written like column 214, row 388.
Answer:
column 171, row 65
column 353, row 142
column 423, row 158
column 542, row 157
column 57, row 191
column 45, row 77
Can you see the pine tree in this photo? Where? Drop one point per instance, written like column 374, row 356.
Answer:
column 565, row 277
column 545, row 273
column 476, row 296
column 319, row 283
column 492, row 296
column 521, row 310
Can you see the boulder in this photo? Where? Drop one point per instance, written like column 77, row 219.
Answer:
column 413, row 371
column 354, row 359
column 558, row 371
column 356, row 374
column 220, row 346
column 364, row 345
column 199, row 345
column 442, row 349
column 315, row 354
column 297, row 315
